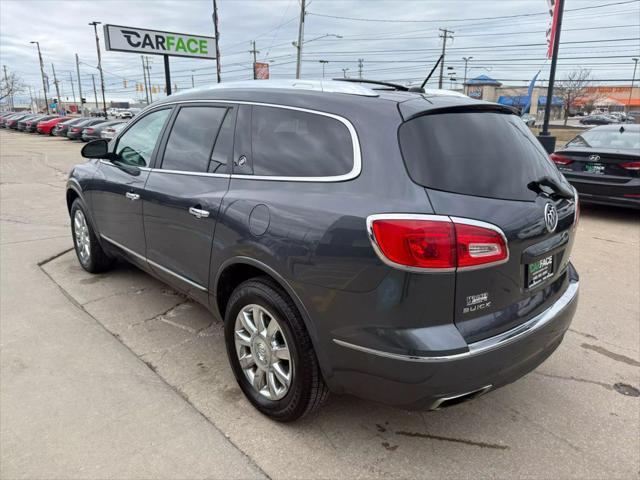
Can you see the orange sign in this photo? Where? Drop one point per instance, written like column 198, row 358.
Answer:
column 261, row 70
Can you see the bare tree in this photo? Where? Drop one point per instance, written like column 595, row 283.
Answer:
column 10, row 86
column 575, row 89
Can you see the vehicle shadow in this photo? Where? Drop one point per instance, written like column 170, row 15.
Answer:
column 607, row 212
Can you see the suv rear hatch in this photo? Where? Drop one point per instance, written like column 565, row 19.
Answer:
column 480, row 162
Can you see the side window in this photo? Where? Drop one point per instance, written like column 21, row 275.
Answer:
column 291, row 143
column 191, row 140
column 223, row 150
column 136, row 146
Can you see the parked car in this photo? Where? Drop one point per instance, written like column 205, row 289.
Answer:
column 344, row 236
column 603, row 164
column 61, row 129
column 21, row 125
column 46, row 127
column 124, row 114
column 12, row 122
column 75, row 131
column 31, row 125
column 94, row 132
column 111, row 132
column 529, row 120
column 598, row 120
column 5, row 120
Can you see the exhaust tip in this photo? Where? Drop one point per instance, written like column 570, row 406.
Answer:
column 452, row 400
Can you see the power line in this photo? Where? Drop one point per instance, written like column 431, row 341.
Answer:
column 387, row 20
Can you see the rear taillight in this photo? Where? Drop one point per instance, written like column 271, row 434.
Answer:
column 88, row 130
column 75, row 129
column 560, row 159
column 432, row 242
column 630, row 165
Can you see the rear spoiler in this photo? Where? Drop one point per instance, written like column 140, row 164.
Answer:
column 423, row 105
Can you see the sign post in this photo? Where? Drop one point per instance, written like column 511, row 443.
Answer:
column 154, row 42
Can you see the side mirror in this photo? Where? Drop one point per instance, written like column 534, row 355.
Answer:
column 96, row 149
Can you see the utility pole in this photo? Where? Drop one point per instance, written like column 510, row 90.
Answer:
column 633, row 79
column 6, row 82
column 44, row 83
column 323, row 62
column 193, row 83
column 95, row 92
column 217, row 36
column 55, row 82
column 31, row 97
column 149, row 77
column 104, row 101
column 144, row 74
column 446, row 34
column 73, row 90
column 254, row 51
column 464, row 85
column 360, row 64
column 79, row 85
column 300, row 38
column 550, row 142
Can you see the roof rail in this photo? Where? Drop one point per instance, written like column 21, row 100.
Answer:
column 328, row 86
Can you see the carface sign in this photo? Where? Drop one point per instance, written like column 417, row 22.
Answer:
column 153, row 42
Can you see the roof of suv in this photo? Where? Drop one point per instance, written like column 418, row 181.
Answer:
column 314, row 93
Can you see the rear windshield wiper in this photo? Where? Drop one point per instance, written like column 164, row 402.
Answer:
column 557, row 189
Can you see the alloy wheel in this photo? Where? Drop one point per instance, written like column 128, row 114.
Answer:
column 262, row 351
column 83, row 241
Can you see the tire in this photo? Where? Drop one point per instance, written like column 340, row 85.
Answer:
column 306, row 390
column 90, row 254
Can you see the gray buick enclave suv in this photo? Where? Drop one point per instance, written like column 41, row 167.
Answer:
column 409, row 247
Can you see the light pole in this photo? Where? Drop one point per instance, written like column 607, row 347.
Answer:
column 466, row 61
column 344, row 72
column 300, row 42
column 104, row 101
column 633, row 79
column 323, row 62
column 44, row 85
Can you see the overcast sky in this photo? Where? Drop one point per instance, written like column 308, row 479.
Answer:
column 397, row 40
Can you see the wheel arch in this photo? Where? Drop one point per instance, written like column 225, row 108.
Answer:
column 238, row 269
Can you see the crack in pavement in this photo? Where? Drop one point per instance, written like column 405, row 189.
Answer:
column 453, row 439
column 612, row 355
column 575, row 379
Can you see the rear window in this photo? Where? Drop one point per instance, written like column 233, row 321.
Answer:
column 485, row 154
column 619, row 138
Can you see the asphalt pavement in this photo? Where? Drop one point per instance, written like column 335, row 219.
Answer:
column 118, row 376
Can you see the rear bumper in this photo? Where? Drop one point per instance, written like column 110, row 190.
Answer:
column 414, row 381
column 601, row 191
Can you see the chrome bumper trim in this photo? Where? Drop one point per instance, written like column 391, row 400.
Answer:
column 488, row 344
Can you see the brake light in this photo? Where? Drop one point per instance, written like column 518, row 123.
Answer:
column 88, row 130
column 435, row 242
column 631, row 165
column 560, row 159
column 75, row 129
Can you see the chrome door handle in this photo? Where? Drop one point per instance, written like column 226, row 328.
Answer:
column 196, row 212
column 132, row 196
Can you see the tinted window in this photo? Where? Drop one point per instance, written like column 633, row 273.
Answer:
column 485, row 154
column 291, row 143
column 136, row 146
column 191, row 139
column 223, row 150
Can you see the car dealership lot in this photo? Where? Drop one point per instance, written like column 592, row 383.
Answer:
column 77, row 401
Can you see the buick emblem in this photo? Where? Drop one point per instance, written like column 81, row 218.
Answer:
column 550, row 217
column 594, row 158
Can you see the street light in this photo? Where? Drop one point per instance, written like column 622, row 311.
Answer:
column 466, row 61
column 633, row 79
column 344, row 72
column 44, row 86
column 299, row 48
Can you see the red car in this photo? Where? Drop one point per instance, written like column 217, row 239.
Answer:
column 46, row 126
